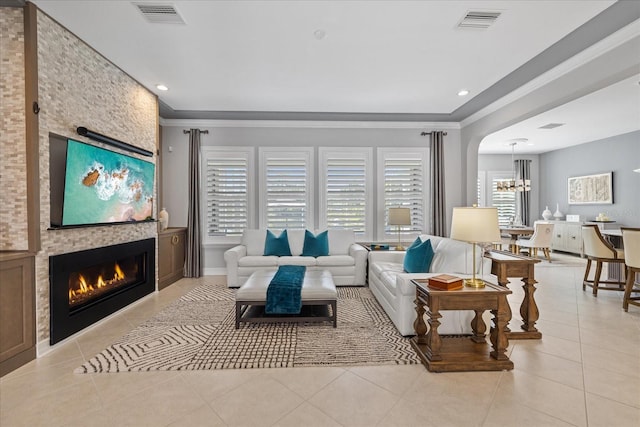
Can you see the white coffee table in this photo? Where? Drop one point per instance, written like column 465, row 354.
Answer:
column 318, row 289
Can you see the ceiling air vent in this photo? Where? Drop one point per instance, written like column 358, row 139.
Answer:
column 160, row 13
column 478, row 20
column 551, row 126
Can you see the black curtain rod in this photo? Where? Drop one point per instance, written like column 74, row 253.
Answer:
column 429, row 133
column 189, row 131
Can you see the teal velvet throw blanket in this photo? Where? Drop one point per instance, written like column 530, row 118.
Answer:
column 284, row 291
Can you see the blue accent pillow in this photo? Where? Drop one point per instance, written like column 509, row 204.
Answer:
column 418, row 257
column 316, row 245
column 278, row 246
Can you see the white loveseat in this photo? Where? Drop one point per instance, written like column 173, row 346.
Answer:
column 394, row 291
column 347, row 260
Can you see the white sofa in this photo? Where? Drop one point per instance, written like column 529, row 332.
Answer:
column 394, row 291
column 347, row 260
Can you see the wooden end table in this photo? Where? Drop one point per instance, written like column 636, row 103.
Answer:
column 451, row 354
column 504, row 265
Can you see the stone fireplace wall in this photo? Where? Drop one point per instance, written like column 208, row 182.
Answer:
column 79, row 87
column 13, row 204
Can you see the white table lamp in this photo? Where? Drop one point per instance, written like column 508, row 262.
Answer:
column 475, row 225
column 399, row 217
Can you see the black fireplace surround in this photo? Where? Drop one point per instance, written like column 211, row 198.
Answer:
column 67, row 316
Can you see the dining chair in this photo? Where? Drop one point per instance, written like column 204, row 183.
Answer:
column 631, row 242
column 540, row 239
column 597, row 249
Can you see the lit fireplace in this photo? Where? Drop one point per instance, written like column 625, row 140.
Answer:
column 87, row 286
column 93, row 282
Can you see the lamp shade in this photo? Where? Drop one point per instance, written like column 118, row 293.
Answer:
column 399, row 216
column 475, row 225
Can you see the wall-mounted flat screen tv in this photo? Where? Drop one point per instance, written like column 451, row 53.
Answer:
column 102, row 186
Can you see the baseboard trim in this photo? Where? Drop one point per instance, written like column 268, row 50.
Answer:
column 18, row 360
column 215, row 271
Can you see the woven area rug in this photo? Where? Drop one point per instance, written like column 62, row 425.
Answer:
column 197, row 332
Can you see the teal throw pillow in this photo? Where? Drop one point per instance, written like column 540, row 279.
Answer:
column 418, row 257
column 316, row 245
column 278, row 246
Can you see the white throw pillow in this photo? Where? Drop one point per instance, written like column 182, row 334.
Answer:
column 453, row 256
column 296, row 241
column 254, row 239
column 340, row 241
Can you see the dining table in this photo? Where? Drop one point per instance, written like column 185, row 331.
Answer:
column 514, row 233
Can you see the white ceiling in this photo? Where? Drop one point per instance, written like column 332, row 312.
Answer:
column 387, row 57
column 611, row 111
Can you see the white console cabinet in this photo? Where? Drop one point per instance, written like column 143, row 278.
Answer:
column 567, row 237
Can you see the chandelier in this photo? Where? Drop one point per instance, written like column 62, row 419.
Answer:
column 514, row 184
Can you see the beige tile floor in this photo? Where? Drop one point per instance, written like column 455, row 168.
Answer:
column 584, row 372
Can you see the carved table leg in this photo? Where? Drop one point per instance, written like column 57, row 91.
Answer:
column 479, row 327
column 434, row 342
column 529, row 309
column 418, row 324
column 499, row 340
column 503, row 281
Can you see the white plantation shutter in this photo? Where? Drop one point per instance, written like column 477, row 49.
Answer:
column 404, row 183
column 227, row 191
column 505, row 201
column 286, row 189
column 344, row 191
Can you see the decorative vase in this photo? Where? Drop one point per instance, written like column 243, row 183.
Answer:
column 546, row 213
column 558, row 214
column 163, row 218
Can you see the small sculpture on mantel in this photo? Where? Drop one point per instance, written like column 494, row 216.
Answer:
column 163, row 218
column 558, row 215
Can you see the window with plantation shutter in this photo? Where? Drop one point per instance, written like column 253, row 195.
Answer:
column 345, row 186
column 227, row 191
column 505, row 201
column 286, row 193
column 402, row 179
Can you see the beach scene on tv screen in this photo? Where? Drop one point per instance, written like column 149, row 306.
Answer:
column 102, row 186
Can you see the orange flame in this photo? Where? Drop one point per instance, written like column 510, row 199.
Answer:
column 84, row 287
column 119, row 273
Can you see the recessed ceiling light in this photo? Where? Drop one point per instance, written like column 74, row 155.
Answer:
column 319, row 34
column 162, row 87
column 463, row 92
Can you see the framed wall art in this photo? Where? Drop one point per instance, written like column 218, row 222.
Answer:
column 591, row 189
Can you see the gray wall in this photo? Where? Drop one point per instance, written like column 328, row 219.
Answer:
column 619, row 154
column 174, row 163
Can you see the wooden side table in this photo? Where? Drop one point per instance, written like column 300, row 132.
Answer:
column 452, row 354
column 504, row 265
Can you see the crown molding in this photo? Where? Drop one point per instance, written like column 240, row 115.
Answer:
column 311, row 124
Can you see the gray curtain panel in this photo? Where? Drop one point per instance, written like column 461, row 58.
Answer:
column 436, row 163
column 523, row 198
column 192, row 265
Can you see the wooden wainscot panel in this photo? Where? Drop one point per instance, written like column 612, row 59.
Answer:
column 171, row 254
column 17, row 311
